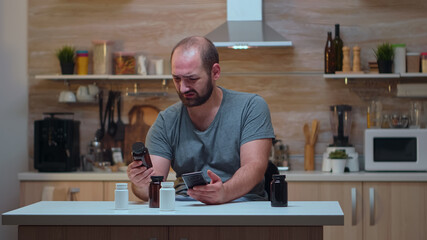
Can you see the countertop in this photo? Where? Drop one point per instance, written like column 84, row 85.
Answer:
column 259, row 213
column 291, row 176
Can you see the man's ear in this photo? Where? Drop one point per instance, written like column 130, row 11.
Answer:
column 216, row 70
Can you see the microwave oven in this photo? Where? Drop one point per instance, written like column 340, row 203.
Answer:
column 395, row 149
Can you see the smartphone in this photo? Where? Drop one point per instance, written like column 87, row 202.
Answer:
column 193, row 179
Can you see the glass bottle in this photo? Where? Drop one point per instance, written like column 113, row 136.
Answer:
column 154, row 191
column 338, row 48
column 330, row 58
column 279, row 191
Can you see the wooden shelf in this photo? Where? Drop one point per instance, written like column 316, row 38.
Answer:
column 366, row 75
column 376, row 75
column 103, row 77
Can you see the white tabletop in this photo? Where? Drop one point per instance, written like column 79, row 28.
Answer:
column 316, row 213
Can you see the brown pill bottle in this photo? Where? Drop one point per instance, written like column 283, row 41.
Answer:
column 154, row 191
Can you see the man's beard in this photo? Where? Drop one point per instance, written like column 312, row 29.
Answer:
column 198, row 100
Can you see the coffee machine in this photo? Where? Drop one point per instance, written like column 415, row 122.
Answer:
column 340, row 119
column 56, row 144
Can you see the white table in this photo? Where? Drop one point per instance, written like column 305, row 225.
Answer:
column 189, row 220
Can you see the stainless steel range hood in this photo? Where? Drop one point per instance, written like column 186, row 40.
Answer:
column 245, row 28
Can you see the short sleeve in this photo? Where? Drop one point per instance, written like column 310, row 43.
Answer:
column 256, row 121
column 157, row 139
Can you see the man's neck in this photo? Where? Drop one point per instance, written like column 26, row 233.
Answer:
column 202, row 116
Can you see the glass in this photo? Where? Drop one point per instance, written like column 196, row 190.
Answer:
column 375, row 114
column 386, row 121
column 416, row 113
column 279, row 191
column 154, row 191
column 330, row 58
column 102, row 57
column 124, row 63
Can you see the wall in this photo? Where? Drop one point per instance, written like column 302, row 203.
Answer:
column 290, row 79
column 13, row 107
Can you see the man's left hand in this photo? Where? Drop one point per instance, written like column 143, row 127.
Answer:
column 213, row 193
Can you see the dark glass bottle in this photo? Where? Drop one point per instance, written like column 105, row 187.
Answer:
column 140, row 153
column 338, row 48
column 330, row 57
column 279, row 191
column 154, row 191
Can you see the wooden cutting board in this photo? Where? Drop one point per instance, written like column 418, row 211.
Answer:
column 141, row 117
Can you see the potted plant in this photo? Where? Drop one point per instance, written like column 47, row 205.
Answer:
column 384, row 54
column 338, row 160
column 65, row 56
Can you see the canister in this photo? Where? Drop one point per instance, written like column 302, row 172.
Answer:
column 424, row 62
column 399, row 61
column 124, row 63
column 413, row 62
column 102, row 56
column 82, row 62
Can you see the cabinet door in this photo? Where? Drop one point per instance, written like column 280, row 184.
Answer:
column 348, row 194
column 109, row 188
column 32, row 191
column 395, row 210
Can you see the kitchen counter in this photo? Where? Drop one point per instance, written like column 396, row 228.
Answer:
column 186, row 213
column 291, row 176
column 190, row 220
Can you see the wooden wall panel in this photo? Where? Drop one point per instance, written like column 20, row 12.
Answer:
column 290, row 79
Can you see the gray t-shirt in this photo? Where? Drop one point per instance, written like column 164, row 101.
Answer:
column 241, row 118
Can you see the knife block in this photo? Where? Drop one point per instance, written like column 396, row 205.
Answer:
column 309, row 157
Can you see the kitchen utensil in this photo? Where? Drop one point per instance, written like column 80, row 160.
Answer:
column 306, row 133
column 112, row 127
column 314, row 131
column 120, row 131
column 100, row 132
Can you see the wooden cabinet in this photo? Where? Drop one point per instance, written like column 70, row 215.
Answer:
column 372, row 210
column 32, row 191
column 394, row 210
column 348, row 194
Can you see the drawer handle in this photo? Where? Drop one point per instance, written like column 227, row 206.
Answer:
column 353, row 206
column 371, row 206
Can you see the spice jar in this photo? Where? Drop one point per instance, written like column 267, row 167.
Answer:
column 154, row 191
column 82, row 60
column 124, row 63
column 386, row 121
column 424, row 62
column 102, row 56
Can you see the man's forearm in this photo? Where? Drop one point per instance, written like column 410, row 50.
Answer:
column 244, row 180
column 140, row 192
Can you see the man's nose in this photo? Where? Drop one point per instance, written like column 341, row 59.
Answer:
column 183, row 87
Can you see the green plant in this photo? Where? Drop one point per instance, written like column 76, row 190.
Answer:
column 384, row 52
column 65, row 54
column 338, row 154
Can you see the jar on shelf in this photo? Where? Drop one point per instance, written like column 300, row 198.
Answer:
column 424, row 62
column 82, row 60
column 386, row 121
column 124, row 63
column 102, row 56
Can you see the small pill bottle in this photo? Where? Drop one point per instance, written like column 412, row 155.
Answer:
column 167, row 196
column 154, row 191
column 82, row 60
column 279, row 191
column 121, row 196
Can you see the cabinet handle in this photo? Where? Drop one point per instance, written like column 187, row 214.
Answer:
column 371, row 206
column 73, row 192
column 353, row 206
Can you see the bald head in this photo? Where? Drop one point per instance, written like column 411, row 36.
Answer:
column 208, row 52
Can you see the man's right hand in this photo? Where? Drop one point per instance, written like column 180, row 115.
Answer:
column 140, row 178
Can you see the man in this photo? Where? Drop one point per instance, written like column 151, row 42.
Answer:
column 225, row 134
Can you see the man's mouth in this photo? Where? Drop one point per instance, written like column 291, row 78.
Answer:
column 189, row 94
